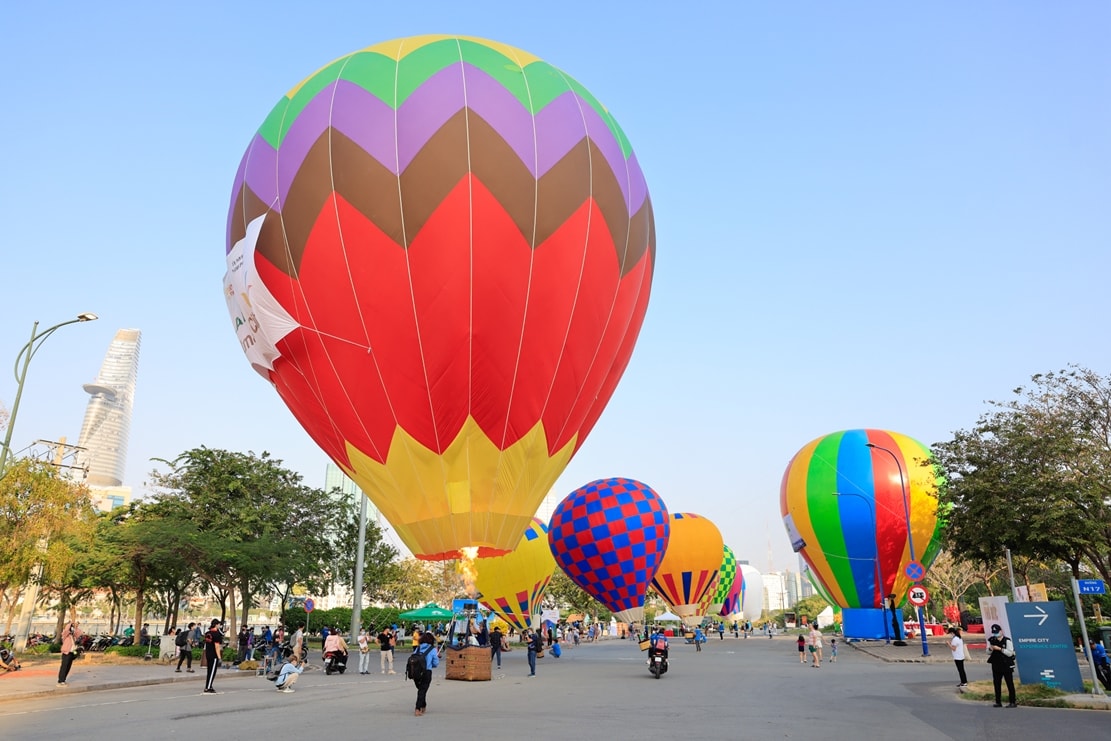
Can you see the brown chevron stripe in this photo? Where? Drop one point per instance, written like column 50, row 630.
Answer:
column 437, row 168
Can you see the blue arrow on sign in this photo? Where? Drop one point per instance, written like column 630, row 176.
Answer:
column 1091, row 586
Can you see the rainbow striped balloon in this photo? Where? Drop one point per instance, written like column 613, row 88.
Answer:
column 842, row 500
column 439, row 253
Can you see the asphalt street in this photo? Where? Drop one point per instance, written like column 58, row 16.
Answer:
column 736, row 688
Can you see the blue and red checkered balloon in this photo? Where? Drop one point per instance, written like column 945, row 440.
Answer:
column 609, row 537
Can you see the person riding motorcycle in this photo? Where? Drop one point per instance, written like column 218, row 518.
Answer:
column 658, row 646
column 335, row 646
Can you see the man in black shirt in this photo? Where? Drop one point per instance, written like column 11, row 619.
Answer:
column 385, row 645
column 213, row 647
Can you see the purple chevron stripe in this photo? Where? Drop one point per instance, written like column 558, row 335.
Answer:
column 370, row 123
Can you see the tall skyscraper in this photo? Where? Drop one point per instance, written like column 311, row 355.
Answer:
column 107, row 424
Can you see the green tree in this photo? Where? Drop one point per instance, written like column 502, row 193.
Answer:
column 1034, row 476
column 38, row 509
column 250, row 523
column 567, row 594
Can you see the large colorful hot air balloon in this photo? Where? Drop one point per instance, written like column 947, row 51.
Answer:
column 847, row 500
column 609, row 537
column 694, row 555
column 440, row 251
column 727, row 572
column 513, row 585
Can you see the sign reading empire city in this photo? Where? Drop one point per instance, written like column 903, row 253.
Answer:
column 1043, row 645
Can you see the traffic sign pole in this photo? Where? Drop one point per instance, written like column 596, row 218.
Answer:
column 1096, row 690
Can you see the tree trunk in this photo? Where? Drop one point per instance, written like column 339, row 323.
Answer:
column 245, row 596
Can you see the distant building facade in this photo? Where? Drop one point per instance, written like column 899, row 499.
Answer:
column 107, row 425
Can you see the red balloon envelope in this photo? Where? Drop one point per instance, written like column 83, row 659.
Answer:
column 609, row 537
column 440, row 251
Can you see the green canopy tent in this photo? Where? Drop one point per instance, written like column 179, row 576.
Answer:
column 431, row 611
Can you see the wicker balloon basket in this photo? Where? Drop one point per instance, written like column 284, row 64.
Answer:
column 470, row 664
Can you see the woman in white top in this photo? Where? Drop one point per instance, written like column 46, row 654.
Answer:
column 956, row 647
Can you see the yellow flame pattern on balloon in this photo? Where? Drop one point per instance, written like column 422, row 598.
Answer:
column 434, row 500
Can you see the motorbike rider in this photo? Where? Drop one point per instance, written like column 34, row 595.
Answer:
column 334, row 644
column 657, row 645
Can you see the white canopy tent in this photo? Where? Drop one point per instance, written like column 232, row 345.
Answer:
column 668, row 617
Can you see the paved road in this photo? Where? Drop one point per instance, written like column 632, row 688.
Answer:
column 736, row 688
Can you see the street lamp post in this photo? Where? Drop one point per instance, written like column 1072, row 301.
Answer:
column 879, row 572
column 910, row 537
column 24, row 357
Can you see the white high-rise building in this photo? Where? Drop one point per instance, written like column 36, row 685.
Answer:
column 107, row 425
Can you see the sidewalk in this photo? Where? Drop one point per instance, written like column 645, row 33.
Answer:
column 939, row 654
column 39, row 677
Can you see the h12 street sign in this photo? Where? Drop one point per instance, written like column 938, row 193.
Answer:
column 1091, row 586
column 1043, row 645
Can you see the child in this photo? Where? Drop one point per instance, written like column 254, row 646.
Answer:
column 832, row 650
column 802, row 649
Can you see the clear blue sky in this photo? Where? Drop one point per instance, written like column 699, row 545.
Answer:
column 867, row 216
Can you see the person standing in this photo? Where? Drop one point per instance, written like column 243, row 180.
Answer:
column 297, row 642
column 802, row 648
column 386, row 641
column 244, row 642
column 956, row 648
column 721, row 630
column 833, row 650
column 1001, row 656
column 495, row 645
column 70, row 637
column 364, row 651
column 185, row 649
column 427, row 648
column 213, row 645
column 535, row 646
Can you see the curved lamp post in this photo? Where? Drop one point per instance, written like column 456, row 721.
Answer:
column 25, row 355
column 879, row 573
column 910, row 537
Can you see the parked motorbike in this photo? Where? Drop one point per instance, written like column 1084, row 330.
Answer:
column 335, row 661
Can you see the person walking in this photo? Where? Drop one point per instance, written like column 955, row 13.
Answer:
column 427, row 648
column 495, row 645
column 721, row 630
column 184, row 649
column 213, row 645
column 1001, row 656
column 833, row 650
column 535, row 646
column 70, row 638
column 956, row 648
column 815, row 646
column 802, row 648
column 387, row 640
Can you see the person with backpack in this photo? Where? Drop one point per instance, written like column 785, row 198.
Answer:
column 1001, row 656
column 184, row 649
column 419, row 668
column 287, row 676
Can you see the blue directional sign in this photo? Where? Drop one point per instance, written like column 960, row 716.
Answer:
column 1091, row 586
column 1043, row 645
